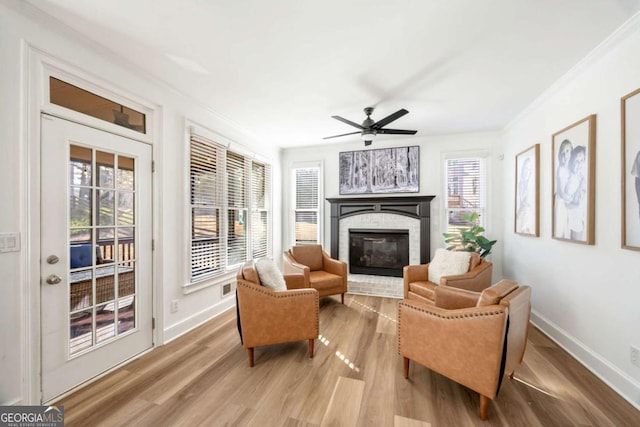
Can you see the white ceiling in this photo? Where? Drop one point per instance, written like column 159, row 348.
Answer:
column 279, row 69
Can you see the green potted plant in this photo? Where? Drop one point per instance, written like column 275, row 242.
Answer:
column 469, row 239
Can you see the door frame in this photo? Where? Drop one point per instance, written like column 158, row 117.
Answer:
column 38, row 67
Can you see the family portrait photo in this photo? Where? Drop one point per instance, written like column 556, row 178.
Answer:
column 631, row 170
column 527, row 210
column 573, row 159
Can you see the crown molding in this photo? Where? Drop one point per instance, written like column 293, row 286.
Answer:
column 628, row 29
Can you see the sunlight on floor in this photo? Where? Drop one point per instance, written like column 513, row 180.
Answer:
column 373, row 310
column 347, row 361
column 535, row 388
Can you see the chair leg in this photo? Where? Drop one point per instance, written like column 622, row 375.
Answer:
column 250, row 351
column 311, row 341
column 406, row 368
column 342, row 297
column 484, row 405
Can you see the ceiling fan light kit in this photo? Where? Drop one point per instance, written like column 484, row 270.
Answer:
column 370, row 129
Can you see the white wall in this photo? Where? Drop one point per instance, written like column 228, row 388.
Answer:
column 21, row 27
column 432, row 150
column 586, row 297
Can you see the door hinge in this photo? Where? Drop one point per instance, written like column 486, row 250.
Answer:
column 153, row 165
column 153, row 323
column 153, row 244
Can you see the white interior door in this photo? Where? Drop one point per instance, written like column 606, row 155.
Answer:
column 96, row 293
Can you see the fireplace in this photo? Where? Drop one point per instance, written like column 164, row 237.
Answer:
column 406, row 214
column 378, row 251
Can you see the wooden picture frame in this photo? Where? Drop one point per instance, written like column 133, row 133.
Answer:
column 527, row 201
column 384, row 170
column 573, row 182
column 630, row 168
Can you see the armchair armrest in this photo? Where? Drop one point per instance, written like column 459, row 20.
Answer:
column 413, row 273
column 431, row 335
column 295, row 281
column 334, row 266
column 451, row 298
column 475, row 280
column 291, row 266
column 269, row 317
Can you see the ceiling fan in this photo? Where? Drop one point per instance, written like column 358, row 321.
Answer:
column 369, row 129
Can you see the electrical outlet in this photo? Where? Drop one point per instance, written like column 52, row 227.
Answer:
column 635, row 356
column 174, row 306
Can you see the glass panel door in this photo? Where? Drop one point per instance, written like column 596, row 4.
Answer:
column 96, row 300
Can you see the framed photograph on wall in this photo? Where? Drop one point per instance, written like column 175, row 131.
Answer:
column 573, row 182
column 630, row 113
column 527, row 204
column 385, row 170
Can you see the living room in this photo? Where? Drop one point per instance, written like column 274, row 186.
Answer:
column 570, row 281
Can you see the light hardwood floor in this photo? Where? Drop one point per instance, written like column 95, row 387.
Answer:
column 355, row 379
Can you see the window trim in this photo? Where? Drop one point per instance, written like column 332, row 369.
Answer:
column 485, row 155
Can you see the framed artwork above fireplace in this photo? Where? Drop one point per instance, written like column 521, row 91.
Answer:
column 385, row 170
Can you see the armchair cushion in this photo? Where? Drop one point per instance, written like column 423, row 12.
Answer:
column 448, row 263
column 269, row 275
column 81, row 255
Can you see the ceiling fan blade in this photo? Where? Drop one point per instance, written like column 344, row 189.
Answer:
column 398, row 131
column 344, row 134
column 389, row 119
column 349, row 122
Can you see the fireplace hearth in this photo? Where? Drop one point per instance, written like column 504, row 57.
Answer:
column 378, row 251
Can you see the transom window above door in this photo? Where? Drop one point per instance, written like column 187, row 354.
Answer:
column 74, row 98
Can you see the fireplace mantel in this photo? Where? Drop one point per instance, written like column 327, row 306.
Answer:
column 412, row 206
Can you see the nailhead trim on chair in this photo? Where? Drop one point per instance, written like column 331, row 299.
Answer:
column 273, row 294
column 277, row 294
column 453, row 316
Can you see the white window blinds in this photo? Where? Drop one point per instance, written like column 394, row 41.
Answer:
column 230, row 208
column 237, row 182
column 307, row 206
column 260, row 198
column 206, row 202
column 466, row 191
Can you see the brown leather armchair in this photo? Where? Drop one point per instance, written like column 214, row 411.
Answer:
column 321, row 272
column 474, row 339
column 417, row 285
column 269, row 317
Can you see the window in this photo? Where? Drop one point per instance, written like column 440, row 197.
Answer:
column 466, row 191
column 225, row 188
column 306, row 206
column 74, row 98
column 237, row 181
column 260, row 185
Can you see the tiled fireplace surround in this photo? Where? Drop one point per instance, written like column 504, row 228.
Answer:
column 402, row 213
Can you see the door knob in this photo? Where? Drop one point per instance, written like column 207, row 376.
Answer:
column 54, row 279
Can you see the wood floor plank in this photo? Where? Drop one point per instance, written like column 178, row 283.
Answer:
column 203, row 379
column 399, row 421
column 344, row 406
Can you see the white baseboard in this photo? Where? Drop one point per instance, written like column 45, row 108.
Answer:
column 627, row 387
column 197, row 319
column 15, row 402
